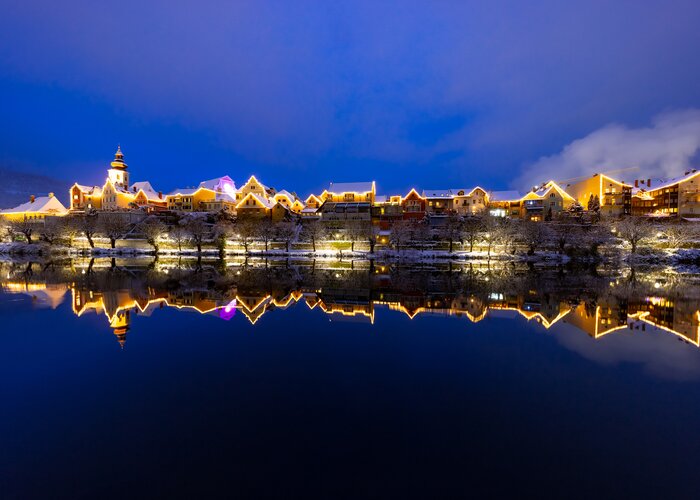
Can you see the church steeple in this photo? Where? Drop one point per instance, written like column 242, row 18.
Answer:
column 118, row 173
column 119, row 159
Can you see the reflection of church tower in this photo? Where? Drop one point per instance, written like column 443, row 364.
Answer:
column 118, row 174
column 120, row 323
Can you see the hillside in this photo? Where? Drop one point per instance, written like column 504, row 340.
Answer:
column 16, row 187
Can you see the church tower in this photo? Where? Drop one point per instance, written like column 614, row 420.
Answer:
column 118, row 174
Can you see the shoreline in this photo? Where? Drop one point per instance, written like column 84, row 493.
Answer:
column 679, row 259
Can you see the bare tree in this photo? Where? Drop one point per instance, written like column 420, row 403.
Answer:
column 89, row 227
column 353, row 232
column 5, row 231
column 50, row 232
column 197, row 230
column 472, row 230
column 25, row 227
column 178, row 233
column 286, row 231
column 366, row 231
column 533, row 235
column 313, row 231
column 245, row 232
column 113, row 227
column 491, row 226
column 418, row 233
column 452, row 230
column 264, row 231
column 678, row 235
column 507, row 234
column 635, row 231
column 563, row 233
column 153, row 229
column 400, row 234
column 222, row 230
column 596, row 236
column 69, row 229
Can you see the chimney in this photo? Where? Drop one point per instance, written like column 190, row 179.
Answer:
column 31, row 198
column 686, row 172
column 648, row 183
column 160, row 194
column 636, row 183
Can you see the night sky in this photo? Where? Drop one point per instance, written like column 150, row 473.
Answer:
column 503, row 94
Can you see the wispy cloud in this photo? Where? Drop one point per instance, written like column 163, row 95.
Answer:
column 664, row 149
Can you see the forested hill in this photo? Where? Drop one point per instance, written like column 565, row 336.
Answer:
column 16, row 187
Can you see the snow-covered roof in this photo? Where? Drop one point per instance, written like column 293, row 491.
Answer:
column 466, row 191
column 663, row 184
column 546, row 188
column 225, row 197
column 309, row 210
column 263, row 201
column 381, row 198
column 183, row 192
column 146, row 187
column 253, row 178
column 142, row 185
column 40, row 205
column 286, row 193
column 437, row 193
column 218, row 183
column 88, row 189
column 350, row 187
column 504, row 196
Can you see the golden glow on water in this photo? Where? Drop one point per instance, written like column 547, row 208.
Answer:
column 356, row 294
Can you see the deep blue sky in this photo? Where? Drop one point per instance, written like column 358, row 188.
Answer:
column 432, row 94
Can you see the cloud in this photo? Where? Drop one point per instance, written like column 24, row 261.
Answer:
column 660, row 353
column 431, row 89
column 665, row 149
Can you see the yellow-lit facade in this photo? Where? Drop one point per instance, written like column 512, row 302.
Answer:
column 36, row 209
column 470, row 202
column 679, row 197
column 614, row 197
column 350, row 192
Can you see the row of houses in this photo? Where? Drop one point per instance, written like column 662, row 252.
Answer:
column 600, row 193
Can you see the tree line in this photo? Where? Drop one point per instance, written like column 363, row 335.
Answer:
column 485, row 233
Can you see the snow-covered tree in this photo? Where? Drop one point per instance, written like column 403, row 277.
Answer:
column 153, row 229
column 113, row 227
column 634, row 231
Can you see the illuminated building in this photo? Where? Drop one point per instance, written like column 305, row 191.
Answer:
column 289, row 200
column 678, row 197
column 36, row 209
column 470, row 201
column 116, row 193
column 438, row 201
column 214, row 195
column 504, row 203
column 349, row 192
column 614, row 197
column 452, row 201
column 545, row 202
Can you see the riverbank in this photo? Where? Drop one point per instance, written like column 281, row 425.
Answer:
column 647, row 256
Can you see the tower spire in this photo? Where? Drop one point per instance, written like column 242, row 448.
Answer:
column 119, row 159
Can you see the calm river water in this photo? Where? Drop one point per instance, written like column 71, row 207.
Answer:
column 343, row 380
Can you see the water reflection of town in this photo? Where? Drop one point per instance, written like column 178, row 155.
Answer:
column 599, row 305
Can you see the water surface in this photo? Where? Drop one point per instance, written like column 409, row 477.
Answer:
column 344, row 380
